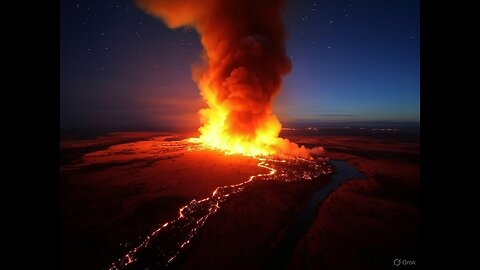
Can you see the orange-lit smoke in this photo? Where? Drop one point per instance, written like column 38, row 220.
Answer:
column 244, row 61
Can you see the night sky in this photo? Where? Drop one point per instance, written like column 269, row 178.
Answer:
column 353, row 61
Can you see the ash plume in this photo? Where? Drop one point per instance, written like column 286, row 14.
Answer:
column 244, row 62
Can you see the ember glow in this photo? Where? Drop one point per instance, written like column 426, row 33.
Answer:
column 243, row 64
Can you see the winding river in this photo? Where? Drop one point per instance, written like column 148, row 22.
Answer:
column 285, row 248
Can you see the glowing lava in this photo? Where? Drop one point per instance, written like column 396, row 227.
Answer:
column 219, row 132
column 164, row 244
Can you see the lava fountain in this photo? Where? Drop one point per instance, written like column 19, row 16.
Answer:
column 244, row 60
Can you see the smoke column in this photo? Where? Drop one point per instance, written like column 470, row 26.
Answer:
column 244, row 61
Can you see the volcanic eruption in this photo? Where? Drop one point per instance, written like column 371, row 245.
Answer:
column 244, row 60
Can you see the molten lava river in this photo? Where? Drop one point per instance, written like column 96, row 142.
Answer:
column 168, row 240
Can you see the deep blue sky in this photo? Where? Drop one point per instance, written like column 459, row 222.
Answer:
column 353, row 61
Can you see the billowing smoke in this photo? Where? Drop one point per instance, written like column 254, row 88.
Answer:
column 244, row 61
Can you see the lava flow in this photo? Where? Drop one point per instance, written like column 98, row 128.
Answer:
column 164, row 244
